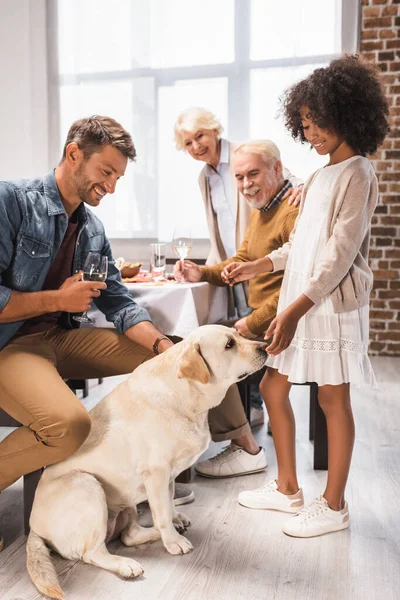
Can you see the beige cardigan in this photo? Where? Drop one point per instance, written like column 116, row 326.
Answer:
column 242, row 210
column 342, row 271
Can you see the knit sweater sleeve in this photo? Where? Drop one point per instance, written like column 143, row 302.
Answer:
column 351, row 226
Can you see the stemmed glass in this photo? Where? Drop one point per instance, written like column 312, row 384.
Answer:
column 182, row 245
column 94, row 269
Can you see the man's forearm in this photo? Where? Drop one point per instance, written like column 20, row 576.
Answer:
column 145, row 334
column 24, row 305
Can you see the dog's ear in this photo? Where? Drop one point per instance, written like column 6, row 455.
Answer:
column 192, row 365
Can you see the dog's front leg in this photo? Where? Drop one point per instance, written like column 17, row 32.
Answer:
column 156, row 482
column 180, row 520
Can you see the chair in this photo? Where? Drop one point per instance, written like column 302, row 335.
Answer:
column 317, row 421
column 31, row 480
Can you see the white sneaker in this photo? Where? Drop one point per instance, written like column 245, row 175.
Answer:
column 268, row 497
column 231, row 462
column 256, row 416
column 317, row 519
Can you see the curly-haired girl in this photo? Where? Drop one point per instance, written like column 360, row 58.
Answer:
column 321, row 331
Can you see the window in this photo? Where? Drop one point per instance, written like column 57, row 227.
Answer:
column 144, row 62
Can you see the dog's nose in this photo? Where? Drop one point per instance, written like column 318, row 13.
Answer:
column 262, row 347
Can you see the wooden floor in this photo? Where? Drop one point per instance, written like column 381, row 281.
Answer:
column 242, row 554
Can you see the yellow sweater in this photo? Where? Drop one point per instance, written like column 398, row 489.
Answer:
column 266, row 232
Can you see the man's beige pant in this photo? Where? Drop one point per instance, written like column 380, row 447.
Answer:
column 55, row 424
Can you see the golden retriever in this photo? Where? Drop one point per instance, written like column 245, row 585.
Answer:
column 149, row 429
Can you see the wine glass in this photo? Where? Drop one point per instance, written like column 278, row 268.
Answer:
column 94, row 269
column 182, row 245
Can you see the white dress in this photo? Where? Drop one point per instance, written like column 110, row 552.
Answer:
column 328, row 348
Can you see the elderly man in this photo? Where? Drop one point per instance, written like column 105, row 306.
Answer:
column 259, row 175
column 46, row 233
column 199, row 133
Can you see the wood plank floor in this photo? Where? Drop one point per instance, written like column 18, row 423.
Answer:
column 242, row 554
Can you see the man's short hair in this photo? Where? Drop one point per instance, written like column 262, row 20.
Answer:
column 268, row 150
column 191, row 120
column 92, row 133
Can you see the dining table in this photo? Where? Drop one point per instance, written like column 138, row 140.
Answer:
column 176, row 308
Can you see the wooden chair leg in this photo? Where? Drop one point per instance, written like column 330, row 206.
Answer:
column 185, row 476
column 320, row 435
column 31, row 481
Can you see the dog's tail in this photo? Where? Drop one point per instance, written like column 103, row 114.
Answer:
column 40, row 567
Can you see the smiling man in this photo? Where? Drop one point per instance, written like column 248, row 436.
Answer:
column 46, row 233
column 259, row 176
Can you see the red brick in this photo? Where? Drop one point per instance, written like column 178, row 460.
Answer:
column 394, row 187
column 393, row 154
column 384, row 165
column 390, row 44
column 390, row 199
column 379, row 325
column 383, row 242
column 395, row 304
column 381, row 209
column 388, row 294
column 389, row 176
column 395, row 264
column 383, row 264
column 379, row 284
column 383, row 231
column 392, row 253
column 389, row 11
column 377, row 305
column 372, row 11
column 377, row 22
column 394, row 285
column 393, row 349
column 373, row 253
column 394, row 326
column 394, row 209
column 390, row 220
column 386, row 34
column 393, row 336
column 371, row 34
column 385, row 274
column 377, row 346
column 386, row 56
column 370, row 46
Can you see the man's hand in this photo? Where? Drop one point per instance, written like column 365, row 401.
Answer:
column 241, row 327
column 293, row 195
column 236, row 272
column 75, row 295
column 187, row 270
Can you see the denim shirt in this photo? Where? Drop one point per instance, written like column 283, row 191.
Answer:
column 33, row 223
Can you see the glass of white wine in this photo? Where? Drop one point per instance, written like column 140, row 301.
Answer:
column 182, row 245
column 94, row 269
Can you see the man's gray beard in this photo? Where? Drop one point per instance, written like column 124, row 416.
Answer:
column 255, row 204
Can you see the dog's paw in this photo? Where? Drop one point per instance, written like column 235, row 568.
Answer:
column 178, row 545
column 181, row 522
column 183, row 518
column 128, row 568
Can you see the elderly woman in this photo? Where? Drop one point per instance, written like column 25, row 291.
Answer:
column 198, row 131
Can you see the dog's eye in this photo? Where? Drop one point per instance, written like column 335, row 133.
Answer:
column 230, row 343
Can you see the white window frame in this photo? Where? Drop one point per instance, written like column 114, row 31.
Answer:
column 237, row 73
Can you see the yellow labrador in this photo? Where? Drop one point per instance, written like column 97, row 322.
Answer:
column 147, row 431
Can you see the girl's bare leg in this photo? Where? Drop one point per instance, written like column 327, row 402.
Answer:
column 275, row 389
column 335, row 402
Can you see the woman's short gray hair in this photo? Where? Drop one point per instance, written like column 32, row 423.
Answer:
column 268, row 150
column 191, row 120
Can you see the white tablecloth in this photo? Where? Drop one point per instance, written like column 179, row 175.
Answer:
column 176, row 309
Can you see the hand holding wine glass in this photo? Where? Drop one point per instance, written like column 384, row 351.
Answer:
column 94, row 269
column 182, row 245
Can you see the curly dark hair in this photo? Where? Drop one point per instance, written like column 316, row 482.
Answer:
column 346, row 98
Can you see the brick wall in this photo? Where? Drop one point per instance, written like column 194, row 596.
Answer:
column 380, row 43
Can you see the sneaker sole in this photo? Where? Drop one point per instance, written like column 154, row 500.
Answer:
column 304, row 535
column 184, row 500
column 291, row 511
column 231, row 474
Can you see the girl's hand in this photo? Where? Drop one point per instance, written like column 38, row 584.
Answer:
column 293, row 195
column 282, row 328
column 242, row 271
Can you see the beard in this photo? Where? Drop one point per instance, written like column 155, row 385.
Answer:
column 83, row 186
column 253, row 203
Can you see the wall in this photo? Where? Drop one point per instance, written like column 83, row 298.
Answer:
column 23, row 98
column 380, row 43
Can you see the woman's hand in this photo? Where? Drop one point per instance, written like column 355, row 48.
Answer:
column 242, row 271
column 293, row 195
column 188, row 271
